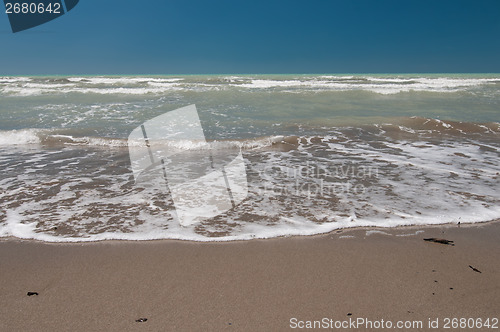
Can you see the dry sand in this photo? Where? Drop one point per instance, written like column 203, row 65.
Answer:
column 256, row 285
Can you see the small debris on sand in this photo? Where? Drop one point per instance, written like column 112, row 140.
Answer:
column 474, row 269
column 141, row 320
column 442, row 241
column 32, row 293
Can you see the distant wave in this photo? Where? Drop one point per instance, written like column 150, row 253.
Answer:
column 32, row 86
column 408, row 127
column 55, row 138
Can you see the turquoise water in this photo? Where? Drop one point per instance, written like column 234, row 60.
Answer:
column 111, row 104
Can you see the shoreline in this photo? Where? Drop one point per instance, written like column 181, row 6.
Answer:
column 334, row 231
column 252, row 285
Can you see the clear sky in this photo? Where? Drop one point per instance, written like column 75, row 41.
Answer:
column 259, row 37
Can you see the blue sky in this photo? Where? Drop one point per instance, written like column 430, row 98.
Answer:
column 223, row 37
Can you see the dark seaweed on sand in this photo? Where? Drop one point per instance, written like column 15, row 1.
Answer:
column 442, row 241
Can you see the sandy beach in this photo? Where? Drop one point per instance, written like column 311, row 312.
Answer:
column 259, row 285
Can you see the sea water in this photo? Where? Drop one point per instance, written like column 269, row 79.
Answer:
column 321, row 152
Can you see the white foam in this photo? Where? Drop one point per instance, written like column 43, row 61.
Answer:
column 42, row 86
column 372, row 232
column 410, row 234
column 26, row 91
column 37, row 136
column 16, row 228
column 158, row 85
column 14, row 79
column 152, row 230
column 373, row 84
column 122, row 80
column 19, row 137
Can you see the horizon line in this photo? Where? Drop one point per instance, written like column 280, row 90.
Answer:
column 257, row 74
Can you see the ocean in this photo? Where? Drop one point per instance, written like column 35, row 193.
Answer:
column 320, row 153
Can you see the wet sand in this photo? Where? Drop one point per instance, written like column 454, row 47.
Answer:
column 258, row 285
